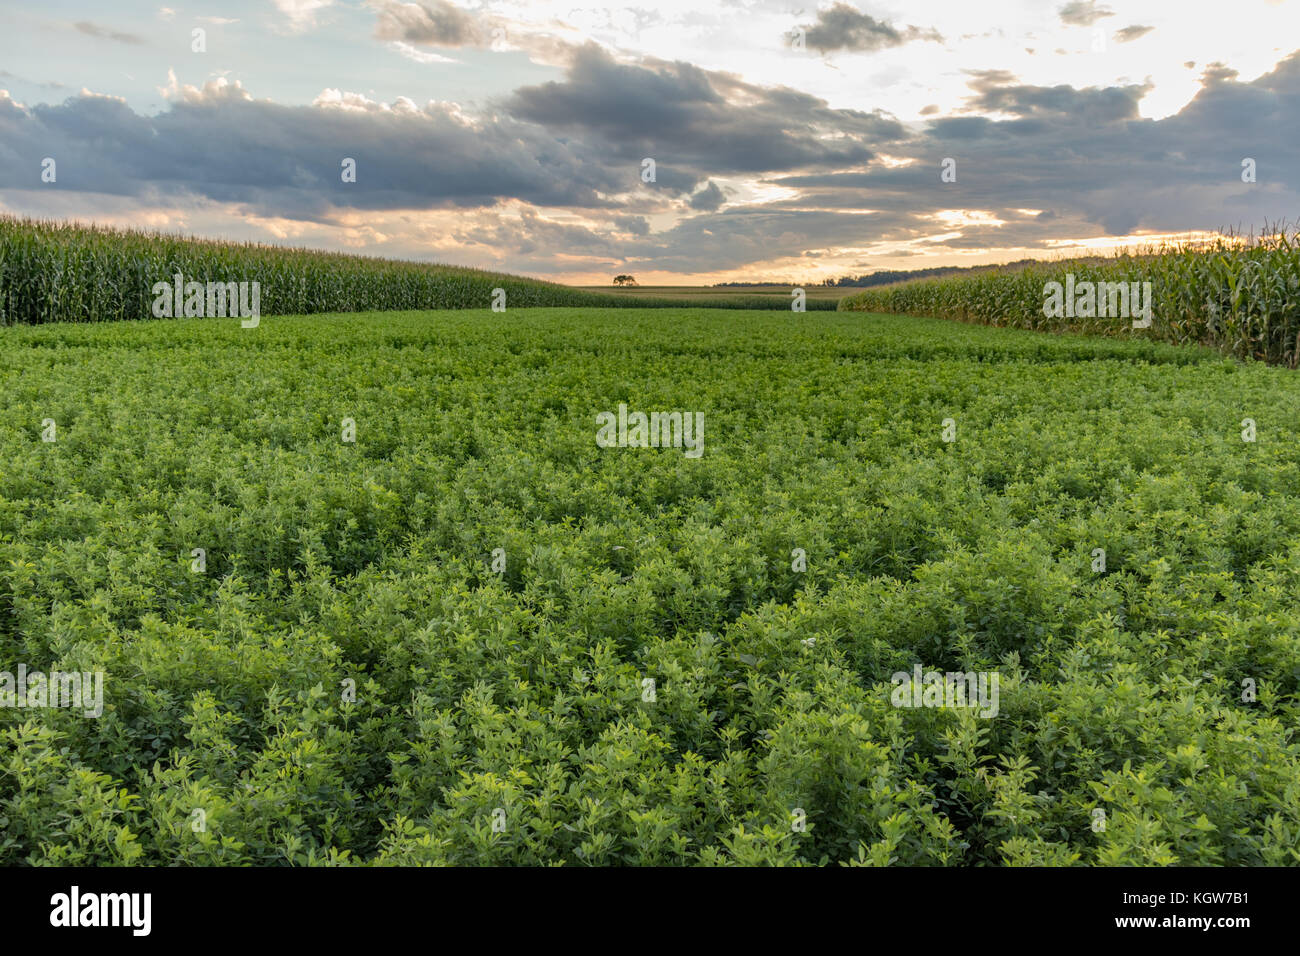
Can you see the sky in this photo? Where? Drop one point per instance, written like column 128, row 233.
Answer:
column 684, row 143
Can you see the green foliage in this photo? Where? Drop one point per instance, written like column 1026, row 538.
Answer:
column 62, row 272
column 1241, row 296
column 502, row 719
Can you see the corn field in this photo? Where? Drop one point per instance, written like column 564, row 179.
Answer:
column 1239, row 294
column 65, row 272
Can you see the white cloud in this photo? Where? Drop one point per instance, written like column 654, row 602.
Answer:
column 419, row 56
column 302, row 13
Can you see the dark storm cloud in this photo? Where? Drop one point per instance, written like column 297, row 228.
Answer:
column 708, row 199
column 1089, row 158
column 285, row 160
column 843, row 27
column 698, row 123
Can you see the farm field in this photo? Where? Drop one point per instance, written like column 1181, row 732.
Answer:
column 1238, row 294
column 773, row 292
column 66, row 272
column 473, row 635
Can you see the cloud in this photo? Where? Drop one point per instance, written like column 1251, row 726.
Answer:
column 49, row 85
column 218, row 143
column 429, row 23
column 555, row 166
column 1083, row 13
column 986, row 80
column 1093, row 105
column 576, row 143
column 302, row 14
column 842, row 27
column 708, row 199
column 1064, row 162
column 1216, row 73
column 1128, row 34
column 438, row 23
column 695, row 123
column 1088, row 156
column 104, row 33
column 419, row 56
column 636, row 225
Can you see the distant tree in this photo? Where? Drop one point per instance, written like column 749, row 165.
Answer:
column 624, row 280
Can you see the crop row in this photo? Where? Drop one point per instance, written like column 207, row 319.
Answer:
column 60, row 272
column 1240, row 295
